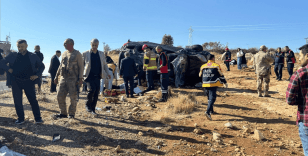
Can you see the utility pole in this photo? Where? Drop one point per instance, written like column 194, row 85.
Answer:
column 306, row 40
column 190, row 41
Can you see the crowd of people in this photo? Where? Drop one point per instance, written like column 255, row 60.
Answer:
column 96, row 71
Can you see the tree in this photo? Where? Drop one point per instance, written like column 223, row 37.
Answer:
column 179, row 46
column 167, row 40
column 106, row 48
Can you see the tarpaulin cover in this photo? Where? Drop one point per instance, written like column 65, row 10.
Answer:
column 184, row 63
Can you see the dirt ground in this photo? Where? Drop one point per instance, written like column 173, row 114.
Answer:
column 143, row 127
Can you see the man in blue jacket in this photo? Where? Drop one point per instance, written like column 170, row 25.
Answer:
column 290, row 61
column 128, row 70
column 279, row 62
column 25, row 68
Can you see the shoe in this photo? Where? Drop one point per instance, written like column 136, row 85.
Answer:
column 213, row 113
column 279, row 79
column 127, row 96
column 71, row 116
column 140, row 94
column 88, row 109
column 40, row 121
column 267, row 95
column 19, row 122
column 132, row 96
column 59, row 116
column 161, row 100
column 93, row 113
column 208, row 116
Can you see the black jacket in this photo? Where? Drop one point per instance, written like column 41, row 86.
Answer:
column 40, row 55
column 228, row 56
column 128, row 67
column 279, row 58
column 121, row 57
column 290, row 56
column 244, row 61
column 54, row 65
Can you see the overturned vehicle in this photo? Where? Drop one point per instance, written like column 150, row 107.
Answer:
column 184, row 63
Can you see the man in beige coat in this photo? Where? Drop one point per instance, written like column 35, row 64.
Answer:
column 262, row 64
column 96, row 68
column 71, row 73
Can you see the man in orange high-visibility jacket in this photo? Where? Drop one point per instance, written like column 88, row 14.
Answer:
column 212, row 78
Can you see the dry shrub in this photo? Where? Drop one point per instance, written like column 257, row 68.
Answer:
column 42, row 97
column 183, row 103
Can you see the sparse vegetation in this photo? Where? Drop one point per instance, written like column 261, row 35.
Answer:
column 167, row 40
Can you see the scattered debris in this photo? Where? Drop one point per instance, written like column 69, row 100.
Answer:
column 56, row 137
column 258, row 135
column 228, row 125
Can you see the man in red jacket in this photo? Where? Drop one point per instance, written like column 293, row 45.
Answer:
column 164, row 77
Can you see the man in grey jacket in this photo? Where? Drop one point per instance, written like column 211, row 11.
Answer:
column 95, row 69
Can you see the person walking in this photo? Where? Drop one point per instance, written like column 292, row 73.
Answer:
column 296, row 94
column 290, row 61
column 164, row 76
column 227, row 58
column 25, row 68
column 262, row 64
column 212, row 78
column 95, row 69
column 41, row 56
column 279, row 63
column 128, row 70
column 53, row 68
column 150, row 66
column 239, row 55
column 71, row 77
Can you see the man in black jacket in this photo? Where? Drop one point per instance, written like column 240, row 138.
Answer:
column 25, row 68
column 279, row 62
column 290, row 61
column 128, row 70
column 227, row 59
column 54, row 65
column 41, row 56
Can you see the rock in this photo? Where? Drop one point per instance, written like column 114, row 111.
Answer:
column 140, row 133
column 17, row 141
column 258, row 135
column 216, row 136
column 247, row 130
column 228, row 125
column 198, row 131
column 159, row 143
column 2, row 139
column 117, row 149
column 196, row 125
column 204, row 137
column 237, row 149
column 123, row 99
column 149, row 132
column 298, row 145
column 135, row 109
column 198, row 152
column 139, row 143
column 231, row 142
column 213, row 150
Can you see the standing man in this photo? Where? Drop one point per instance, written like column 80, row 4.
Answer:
column 149, row 65
column 212, row 78
column 244, row 61
column 290, row 60
column 227, row 59
column 262, row 64
column 279, row 63
column 239, row 55
column 297, row 93
column 128, row 71
column 53, row 68
column 71, row 73
column 25, row 69
column 41, row 56
column 112, row 72
column 95, row 69
column 164, row 76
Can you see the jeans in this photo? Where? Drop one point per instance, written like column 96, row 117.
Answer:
column 290, row 69
column 150, row 80
column 93, row 91
column 278, row 70
column 28, row 86
column 131, row 83
column 303, row 134
column 210, row 92
column 164, row 81
column 53, row 86
column 239, row 63
column 228, row 65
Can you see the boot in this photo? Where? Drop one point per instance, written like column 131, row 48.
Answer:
column 259, row 94
column 163, row 98
column 266, row 94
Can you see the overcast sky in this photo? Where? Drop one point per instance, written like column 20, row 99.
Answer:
column 240, row 23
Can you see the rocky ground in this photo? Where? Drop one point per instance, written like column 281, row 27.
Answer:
column 245, row 124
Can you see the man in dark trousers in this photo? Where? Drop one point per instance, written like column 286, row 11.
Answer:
column 290, row 61
column 212, row 78
column 54, row 65
column 128, row 70
column 25, row 68
column 279, row 62
column 1, row 70
column 95, row 69
column 227, row 59
column 41, row 56
column 164, row 76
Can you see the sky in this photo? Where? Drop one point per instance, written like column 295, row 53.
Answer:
column 238, row 23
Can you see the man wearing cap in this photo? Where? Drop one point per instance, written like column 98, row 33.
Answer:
column 71, row 77
column 95, row 69
column 262, row 64
column 227, row 58
column 290, row 61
